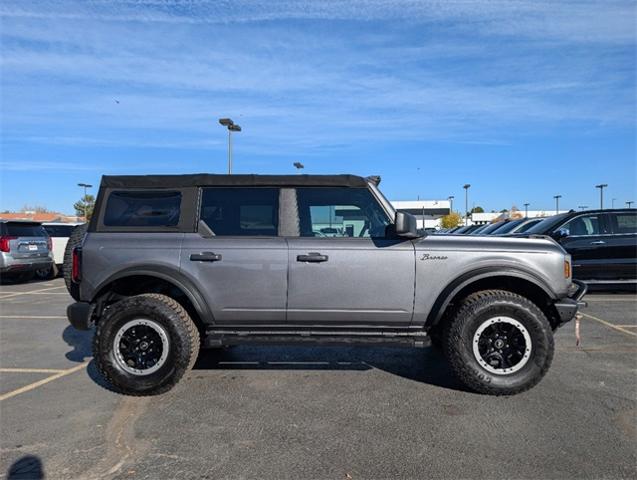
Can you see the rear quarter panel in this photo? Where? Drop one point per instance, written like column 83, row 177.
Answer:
column 105, row 254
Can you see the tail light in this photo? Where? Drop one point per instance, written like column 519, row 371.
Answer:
column 567, row 269
column 76, row 270
column 5, row 246
column 49, row 243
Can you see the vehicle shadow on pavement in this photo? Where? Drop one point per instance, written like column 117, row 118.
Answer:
column 26, row 467
column 426, row 365
column 80, row 341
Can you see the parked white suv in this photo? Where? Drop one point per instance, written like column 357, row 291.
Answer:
column 59, row 233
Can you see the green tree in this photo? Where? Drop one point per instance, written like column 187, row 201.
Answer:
column 477, row 209
column 451, row 221
column 84, row 206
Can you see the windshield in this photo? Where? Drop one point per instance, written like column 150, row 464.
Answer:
column 547, row 225
column 528, row 225
column 491, row 228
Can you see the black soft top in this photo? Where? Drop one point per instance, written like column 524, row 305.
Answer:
column 207, row 179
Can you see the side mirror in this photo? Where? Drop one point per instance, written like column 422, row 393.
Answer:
column 405, row 225
column 560, row 233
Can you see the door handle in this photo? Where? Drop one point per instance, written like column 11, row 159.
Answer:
column 599, row 242
column 314, row 257
column 205, row 257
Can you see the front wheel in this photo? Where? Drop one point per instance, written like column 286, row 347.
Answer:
column 145, row 344
column 498, row 343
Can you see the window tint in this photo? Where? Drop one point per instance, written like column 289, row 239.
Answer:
column 143, row 209
column 625, row 222
column 340, row 212
column 59, row 230
column 528, row 226
column 241, row 211
column 584, row 225
column 25, row 230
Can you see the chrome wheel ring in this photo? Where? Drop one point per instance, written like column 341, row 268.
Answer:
column 141, row 346
column 502, row 345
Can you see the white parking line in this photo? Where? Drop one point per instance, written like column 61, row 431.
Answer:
column 610, row 325
column 17, row 294
column 31, row 370
column 34, row 385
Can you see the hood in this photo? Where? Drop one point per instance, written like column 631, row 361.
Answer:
column 521, row 243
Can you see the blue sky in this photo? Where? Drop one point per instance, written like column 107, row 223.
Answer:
column 522, row 99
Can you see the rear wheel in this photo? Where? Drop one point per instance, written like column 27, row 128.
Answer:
column 75, row 240
column 47, row 273
column 498, row 343
column 144, row 344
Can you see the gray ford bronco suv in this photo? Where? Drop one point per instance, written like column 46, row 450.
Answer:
column 172, row 263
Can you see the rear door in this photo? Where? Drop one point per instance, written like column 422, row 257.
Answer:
column 237, row 257
column 344, row 270
column 587, row 240
column 623, row 254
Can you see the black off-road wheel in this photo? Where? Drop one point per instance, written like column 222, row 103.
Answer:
column 498, row 343
column 144, row 344
column 75, row 240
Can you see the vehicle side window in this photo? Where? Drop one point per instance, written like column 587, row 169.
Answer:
column 624, row 222
column 149, row 208
column 241, row 211
column 340, row 212
column 583, row 225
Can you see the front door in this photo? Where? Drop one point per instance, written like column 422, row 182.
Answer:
column 236, row 258
column 587, row 241
column 343, row 270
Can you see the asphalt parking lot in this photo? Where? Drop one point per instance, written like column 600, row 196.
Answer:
column 323, row 413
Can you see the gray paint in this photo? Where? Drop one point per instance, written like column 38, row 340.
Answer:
column 364, row 282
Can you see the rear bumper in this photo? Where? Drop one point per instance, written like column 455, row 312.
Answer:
column 80, row 315
column 567, row 307
column 17, row 266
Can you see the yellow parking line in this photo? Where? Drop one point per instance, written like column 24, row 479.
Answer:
column 610, row 325
column 31, row 370
column 34, row 385
column 34, row 317
column 17, row 294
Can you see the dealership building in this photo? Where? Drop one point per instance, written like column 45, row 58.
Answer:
column 427, row 212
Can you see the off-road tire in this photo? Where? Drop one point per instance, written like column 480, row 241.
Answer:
column 183, row 338
column 75, row 240
column 472, row 312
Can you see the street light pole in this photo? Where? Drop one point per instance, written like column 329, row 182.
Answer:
column 557, row 203
column 451, row 197
column 466, row 187
column 629, row 203
column 582, row 207
column 601, row 187
column 85, row 186
column 612, row 203
column 526, row 210
column 232, row 127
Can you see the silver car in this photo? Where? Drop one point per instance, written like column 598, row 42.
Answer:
column 25, row 249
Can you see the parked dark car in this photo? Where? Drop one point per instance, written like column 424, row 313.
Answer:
column 491, row 228
column 602, row 243
column 466, row 230
column 520, row 225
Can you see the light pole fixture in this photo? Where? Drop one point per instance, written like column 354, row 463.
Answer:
column 85, row 186
column 298, row 165
column 466, row 187
column 526, row 210
column 232, row 127
column 629, row 203
column 601, row 187
column 451, row 197
column 582, row 207
column 557, row 203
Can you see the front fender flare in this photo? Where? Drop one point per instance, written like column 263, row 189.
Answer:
column 466, row 279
